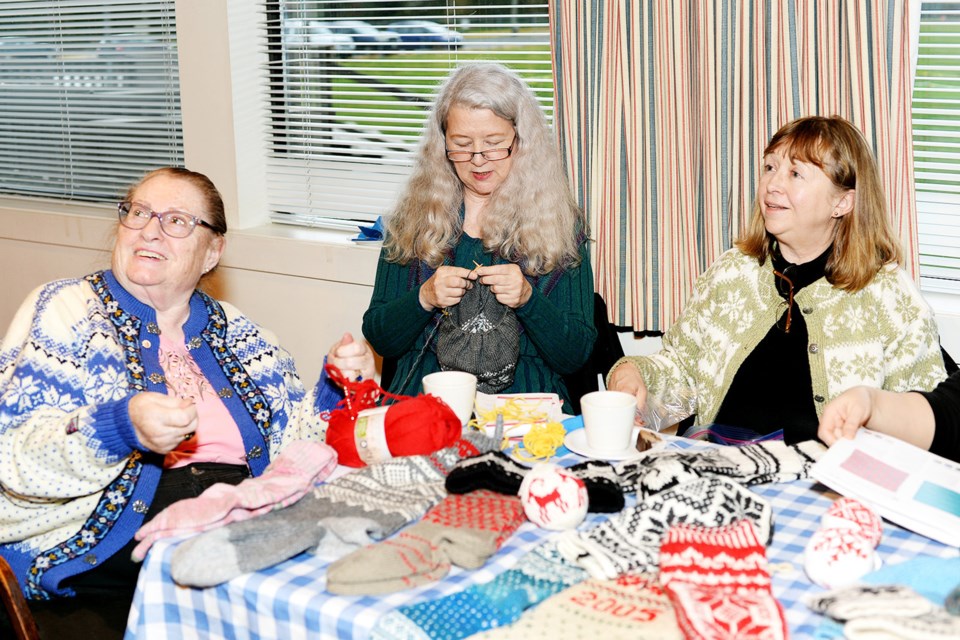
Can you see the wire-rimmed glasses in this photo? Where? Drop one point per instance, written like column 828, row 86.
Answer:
column 487, row 154
column 785, row 288
column 176, row 224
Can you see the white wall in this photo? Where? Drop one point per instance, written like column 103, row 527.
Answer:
column 306, row 286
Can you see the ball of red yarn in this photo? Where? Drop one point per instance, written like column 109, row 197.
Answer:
column 413, row 426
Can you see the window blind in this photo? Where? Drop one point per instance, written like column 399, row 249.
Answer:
column 351, row 82
column 89, row 96
column 936, row 139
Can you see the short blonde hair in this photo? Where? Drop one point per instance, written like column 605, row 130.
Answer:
column 863, row 240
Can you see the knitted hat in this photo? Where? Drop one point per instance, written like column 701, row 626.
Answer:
column 363, row 433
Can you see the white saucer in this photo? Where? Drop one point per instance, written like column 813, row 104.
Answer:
column 576, row 441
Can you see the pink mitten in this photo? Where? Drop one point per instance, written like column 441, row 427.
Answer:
column 295, row 471
column 843, row 549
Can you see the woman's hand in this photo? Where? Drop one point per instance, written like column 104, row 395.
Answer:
column 845, row 414
column 162, row 422
column 507, row 283
column 446, row 287
column 354, row 359
column 626, row 378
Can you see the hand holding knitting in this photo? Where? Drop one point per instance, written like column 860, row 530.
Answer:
column 627, row 378
column 161, row 422
column 507, row 283
column 446, row 287
column 353, row 358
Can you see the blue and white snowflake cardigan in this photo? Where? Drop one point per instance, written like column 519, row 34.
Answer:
column 75, row 482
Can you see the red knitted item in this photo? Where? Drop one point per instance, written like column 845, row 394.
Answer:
column 362, row 433
column 719, row 584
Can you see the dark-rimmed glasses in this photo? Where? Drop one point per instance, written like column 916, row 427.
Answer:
column 487, row 154
column 785, row 288
column 176, row 224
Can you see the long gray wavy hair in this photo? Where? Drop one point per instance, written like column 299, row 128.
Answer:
column 531, row 218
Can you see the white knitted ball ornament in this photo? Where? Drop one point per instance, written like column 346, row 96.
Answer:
column 553, row 498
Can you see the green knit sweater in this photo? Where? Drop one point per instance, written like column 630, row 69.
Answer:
column 558, row 330
column 882, row 336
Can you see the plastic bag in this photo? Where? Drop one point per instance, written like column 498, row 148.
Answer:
column 667, row 409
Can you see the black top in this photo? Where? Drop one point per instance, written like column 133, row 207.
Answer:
column 772, row 389
column 945, row 402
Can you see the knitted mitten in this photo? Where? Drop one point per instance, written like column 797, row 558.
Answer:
column 499, row 472
column 863, row 601
column 368, row 504
column 759, row 463
column 629, row 542
column 294, row 472
column 842, row 549
column 493, row 470
column 886, row 611
column 718, row 582
column 464, row 530
column 627, row 608
column 604, row 494
column 536, row 576
column 936, row 625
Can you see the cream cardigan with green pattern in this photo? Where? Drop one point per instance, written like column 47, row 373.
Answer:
column 883, row 336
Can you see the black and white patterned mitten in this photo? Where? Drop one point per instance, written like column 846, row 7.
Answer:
column 864, row 600
column 759, row 463
column 936, row 625
column 629, row 542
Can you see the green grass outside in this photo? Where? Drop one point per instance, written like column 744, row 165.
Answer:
column 937, row 89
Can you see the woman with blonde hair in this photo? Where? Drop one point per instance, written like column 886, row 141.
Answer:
column 485, row 266
column 811, row 302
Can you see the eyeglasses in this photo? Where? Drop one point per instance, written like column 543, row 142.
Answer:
column 176, row 224
column 488, row 154
column 785, row 288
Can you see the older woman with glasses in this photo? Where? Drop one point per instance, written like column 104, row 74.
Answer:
column 811, row 302
column 484, row 266
column 129, row 389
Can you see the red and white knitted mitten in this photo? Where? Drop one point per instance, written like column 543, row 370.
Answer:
column 718, row 582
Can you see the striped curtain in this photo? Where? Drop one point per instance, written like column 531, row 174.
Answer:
column 663, row 108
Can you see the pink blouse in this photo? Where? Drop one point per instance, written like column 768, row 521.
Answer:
column 218, row 437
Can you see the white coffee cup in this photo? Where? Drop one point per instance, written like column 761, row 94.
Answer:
column 457, row 388
column 608, row 418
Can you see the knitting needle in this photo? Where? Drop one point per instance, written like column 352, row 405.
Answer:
column 498, row 430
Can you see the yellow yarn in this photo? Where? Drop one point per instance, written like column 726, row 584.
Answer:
column 541, row 442
column 543, row 438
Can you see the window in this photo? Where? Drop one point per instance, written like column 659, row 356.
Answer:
column 936, row 139
column 351, row 82
column 90, row 96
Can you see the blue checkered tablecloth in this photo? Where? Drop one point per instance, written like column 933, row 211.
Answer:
column 289, row 600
